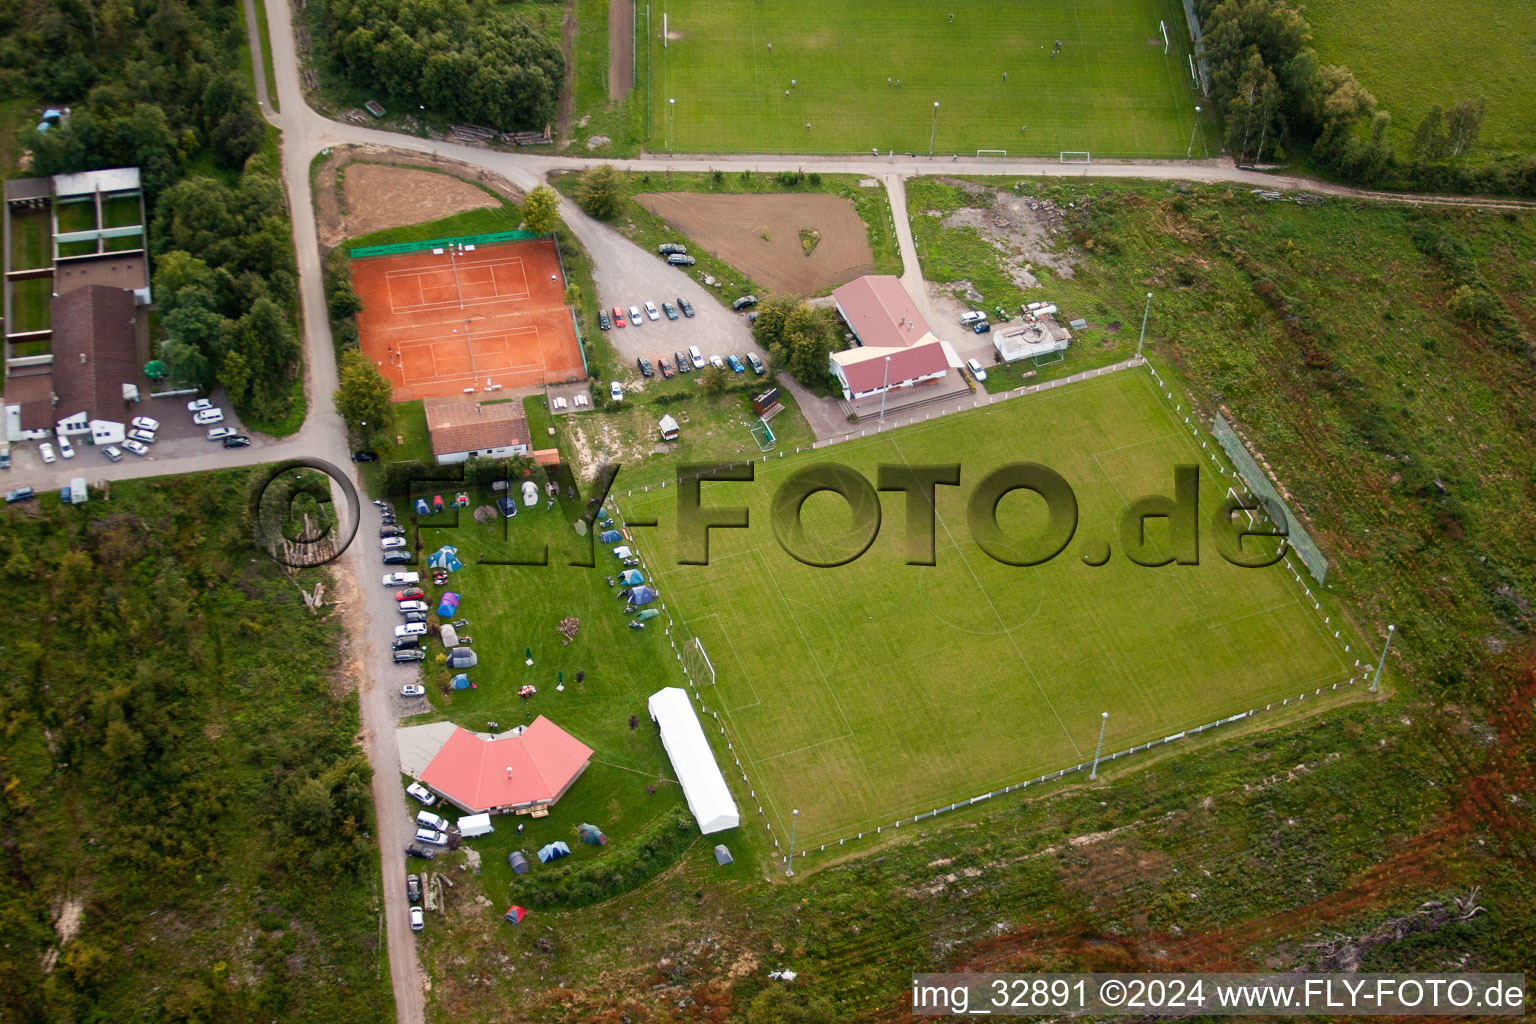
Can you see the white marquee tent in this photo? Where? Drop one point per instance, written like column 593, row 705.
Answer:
column 703, row 786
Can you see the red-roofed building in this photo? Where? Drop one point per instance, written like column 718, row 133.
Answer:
column 897, row 350
column 509, row 773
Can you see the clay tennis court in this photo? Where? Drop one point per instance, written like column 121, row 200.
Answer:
column 470, row 318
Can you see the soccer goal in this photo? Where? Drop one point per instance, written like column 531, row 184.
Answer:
column 1076, row 156
column 1000, row 154
column 1240, row 500
column 1163, row 26
column 697, row 664
column 762, row 433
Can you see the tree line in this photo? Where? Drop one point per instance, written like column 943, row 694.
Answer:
column 1279, row 101
column 468, row 62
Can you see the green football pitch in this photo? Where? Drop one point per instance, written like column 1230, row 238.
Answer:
column 877, row 689
column 716, row 86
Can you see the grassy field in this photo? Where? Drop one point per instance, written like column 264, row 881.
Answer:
column 1413, row 54
column 121, row 212
column 875, row 690
column 31, row 239
column 1111, row 90
column 77, row 216
column 30, row 303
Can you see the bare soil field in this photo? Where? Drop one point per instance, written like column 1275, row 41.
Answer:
column 621, row 49
column 386, row 188
column 760, row 236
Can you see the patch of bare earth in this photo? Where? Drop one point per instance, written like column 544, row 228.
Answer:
column 1023, row 228
column 760, row 236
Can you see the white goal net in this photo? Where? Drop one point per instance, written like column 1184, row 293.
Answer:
column 696, row 663
column 1076, row 156
column 999, row 154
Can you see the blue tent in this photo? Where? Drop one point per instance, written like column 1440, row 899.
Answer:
column 554, row 851
column 461, row 682
column 447, row 609
column 629, row 577
column 643, row 595
column 609, row 536
column 445, row 557
column 421, row 507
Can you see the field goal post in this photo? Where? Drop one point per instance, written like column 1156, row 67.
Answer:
column 1000, row 154
column 1076, row 156
column 762, row 433
column 696, row 663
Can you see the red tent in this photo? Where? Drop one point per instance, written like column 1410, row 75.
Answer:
column 515, row 915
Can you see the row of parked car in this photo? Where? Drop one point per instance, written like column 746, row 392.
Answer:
column 676, row 254
column 616, row 317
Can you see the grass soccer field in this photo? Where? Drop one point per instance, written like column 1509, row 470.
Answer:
column 1438, row 53
column 1111, row 90
column 876, row 689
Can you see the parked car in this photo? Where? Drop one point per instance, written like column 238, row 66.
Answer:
column 135, row 447
column 147, row 436
column 616, row 391
column 237, row 441
column 744, row 302
column 651, row 311
column 422, row 793
column 418, row 919
column 402, row 579
column 391, row 530
column 198, row 405
column 431, row 836
column 426, row 819
column 696, row 357
column 665, row 368
column 976, row 371
column 735, row 362
column 974, row 316
column 67, row 450
column 634, row 315
column 414, row 617
column 5, row 456
column 220, row 433
column 411, row 629
column 404, row 643
column 145, row 423
column 208, row 416
column 684, row 305
column 19, row 494
column 618, row 317
column 363, row 455
column 113, row 453
column 682, row 363
column 981, row 328
column 717, row 362
column 671, row 249
column 645, row 367
column 413, row 690
column 670, row 310
column 391, row 543
column 417, row 850
column 679, row 260
column 412, row 606
column 409, row 655
column 398, row 558
column 756, row 364
column 413, row 888
column 603, row 323
column 46, row 451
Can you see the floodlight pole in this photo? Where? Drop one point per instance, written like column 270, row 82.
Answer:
column 794, row 816
column 934, row 130
column 884, row 383
column 1144, row 313
column 1190, row 151
column 671, row 110
column 1377, row 677
column 1103, row 721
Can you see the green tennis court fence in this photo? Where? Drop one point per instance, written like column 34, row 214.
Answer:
column 365, row 251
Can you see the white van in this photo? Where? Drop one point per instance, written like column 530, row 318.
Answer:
column 975, row 316
column 696, row 357
column 472, row 826
column 411, row 629
column 976, row 371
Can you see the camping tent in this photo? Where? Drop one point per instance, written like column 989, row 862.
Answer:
column 554, row 851
column 608, row 536
column 518, row 862
column 445, row 557
column 461, row 682
column 421, row 507
column 592, row 835
column 643, row 594
column 462, row 657
column 448, row 635
column 448, row 606
column 722, row 855
column 630, row 577
column 622, row 551
column 515, row 915
column 709, row 798
column 508, row 507
column 437, row 503
column 668, row 428
column 530, row 493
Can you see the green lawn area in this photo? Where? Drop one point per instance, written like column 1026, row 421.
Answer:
column 123, row 243
column 31, row 238
column 876, row 689
column 506, row 217
column 121, row 212
column 1413, row 54
column 30, row 303
column 78, row 215
column 79, row 248
column 1111, row 90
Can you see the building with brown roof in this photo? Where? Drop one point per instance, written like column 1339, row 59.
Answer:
column 95, row 362
column 527, row 769
column 896, row 348
column 462, row 428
